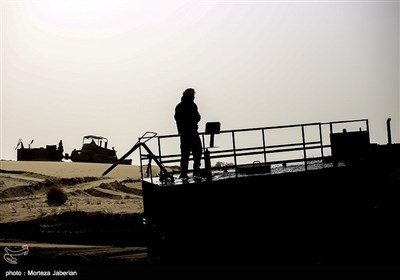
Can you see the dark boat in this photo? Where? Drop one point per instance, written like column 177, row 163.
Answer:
column 323, row 195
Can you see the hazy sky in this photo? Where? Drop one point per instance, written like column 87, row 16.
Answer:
column 118, row 68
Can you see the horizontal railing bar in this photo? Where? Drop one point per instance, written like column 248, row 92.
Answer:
column 271, row 163
column 268, row 147
column 349, row 121
column 268, row 127
column 228, row 155
column 288, row 161
column 248, row 129
column 252, row 148
column 273, row 151
column 267, row 151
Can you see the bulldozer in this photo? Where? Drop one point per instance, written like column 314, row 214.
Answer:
column 94, row 149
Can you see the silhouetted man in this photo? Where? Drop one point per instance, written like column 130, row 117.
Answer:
column 187, row 117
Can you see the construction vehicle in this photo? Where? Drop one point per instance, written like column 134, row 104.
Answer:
column 94, row 149
column 48, row 153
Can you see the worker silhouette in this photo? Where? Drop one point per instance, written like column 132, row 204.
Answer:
column 187, row 117
column 60, row 147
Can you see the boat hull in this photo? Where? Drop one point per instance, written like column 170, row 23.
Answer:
column 335, row 216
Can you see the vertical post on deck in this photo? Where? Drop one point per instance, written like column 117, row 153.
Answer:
column 304, row 147
column 389, row 132
column 234, row 152
column 264, row 148
column 320, row 140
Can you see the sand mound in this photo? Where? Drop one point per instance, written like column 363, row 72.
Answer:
column 23, row 195
column 34, row 184
column 121, row 187
column 28, row 190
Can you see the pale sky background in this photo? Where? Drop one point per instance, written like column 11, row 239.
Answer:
column 118, row 68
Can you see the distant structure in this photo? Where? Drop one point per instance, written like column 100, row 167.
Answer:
column 49, row 153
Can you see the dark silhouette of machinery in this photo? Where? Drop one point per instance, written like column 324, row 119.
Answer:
column 164, row 174
column 94, row 149
column 48, row 153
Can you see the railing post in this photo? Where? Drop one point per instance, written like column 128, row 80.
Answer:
column 141, row 161
column 367, row 127
column 234, row 152
column 389, row 131
column 151, row 171
column 320, row 140
column 304, row 147
column 265, row 152
column 159, row 149
column 159, row 157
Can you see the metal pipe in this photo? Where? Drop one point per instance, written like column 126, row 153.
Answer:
column 234, row 152
column 389, row 132
column 265, row 152
column 320, row 140
column 304, row 147
column 367, row 127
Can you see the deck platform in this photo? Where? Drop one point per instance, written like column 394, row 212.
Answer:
column 332, row 203
column 333, row 215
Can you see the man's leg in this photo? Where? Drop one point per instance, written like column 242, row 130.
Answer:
column 197, row 150
column 185, row 153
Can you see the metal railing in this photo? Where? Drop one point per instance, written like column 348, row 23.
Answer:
column 263, row 149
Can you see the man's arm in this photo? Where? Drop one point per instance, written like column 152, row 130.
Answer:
column 197, row 114
column 178, row 118
column 176, row 115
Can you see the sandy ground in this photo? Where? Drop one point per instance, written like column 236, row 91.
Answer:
column 71, row 169
column 108, row 208
column 24, row 187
